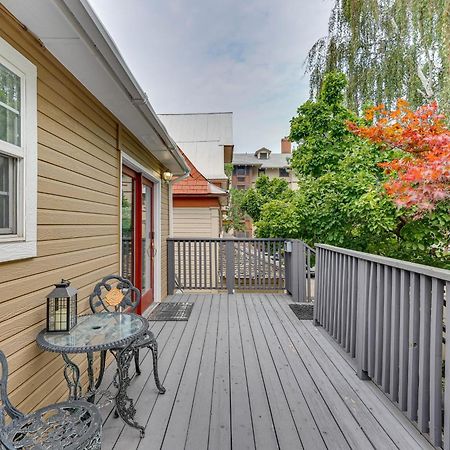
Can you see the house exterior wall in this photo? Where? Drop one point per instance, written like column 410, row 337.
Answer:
column 196, row 222
column 78, row 218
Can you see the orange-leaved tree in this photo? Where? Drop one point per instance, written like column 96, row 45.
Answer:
column 420, row 176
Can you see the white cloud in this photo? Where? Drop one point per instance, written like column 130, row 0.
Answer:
column 229, row 55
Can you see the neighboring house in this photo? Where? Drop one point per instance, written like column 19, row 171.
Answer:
column 247, row 167
column 197, row 206
column 82, row 157
column 206, row 139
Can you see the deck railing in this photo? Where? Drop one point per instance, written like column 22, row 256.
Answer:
column 390, row 315
column 240, row 264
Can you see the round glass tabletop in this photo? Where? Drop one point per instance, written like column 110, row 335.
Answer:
column 95, row 332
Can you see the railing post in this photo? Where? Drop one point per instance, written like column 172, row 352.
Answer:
column 318, row 289
column 301, row 274
column 170, row 267
column 297, row 272
column 361, row 324
column 229, row 255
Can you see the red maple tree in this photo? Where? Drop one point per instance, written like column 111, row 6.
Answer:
column 421, row 177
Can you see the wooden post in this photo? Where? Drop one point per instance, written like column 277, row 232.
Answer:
column 361, row 325
column 229, row 253
column 171, row 267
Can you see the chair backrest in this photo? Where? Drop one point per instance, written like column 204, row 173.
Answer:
column 5, row 404
column 98, row 299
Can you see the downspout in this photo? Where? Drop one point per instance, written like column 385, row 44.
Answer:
column 171, row 183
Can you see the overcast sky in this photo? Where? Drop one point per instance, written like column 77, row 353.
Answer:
column 244, row 56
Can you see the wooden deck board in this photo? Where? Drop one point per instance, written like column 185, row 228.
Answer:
column 245, row 373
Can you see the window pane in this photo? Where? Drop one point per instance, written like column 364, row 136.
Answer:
column 7, row 195
column 9, row 106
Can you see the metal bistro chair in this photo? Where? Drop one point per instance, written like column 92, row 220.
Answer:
column 130, row 301
column 72, row 425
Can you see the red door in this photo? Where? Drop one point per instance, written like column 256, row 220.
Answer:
column 137, row 234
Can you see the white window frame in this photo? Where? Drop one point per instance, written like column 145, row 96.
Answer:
column 22, row 244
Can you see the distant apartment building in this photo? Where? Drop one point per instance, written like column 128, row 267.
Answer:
column 247, row 167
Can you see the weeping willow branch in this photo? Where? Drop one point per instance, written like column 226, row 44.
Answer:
column 387, row 49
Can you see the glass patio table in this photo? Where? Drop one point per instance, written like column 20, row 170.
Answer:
column 113, row 331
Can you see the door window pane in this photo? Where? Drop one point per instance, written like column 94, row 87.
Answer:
column 8, row 200
column 127, row 227
column 9, row 107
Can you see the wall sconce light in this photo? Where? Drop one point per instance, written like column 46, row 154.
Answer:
column 167, row 176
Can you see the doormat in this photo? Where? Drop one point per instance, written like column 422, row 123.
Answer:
column 168, row 311
column 303, row 311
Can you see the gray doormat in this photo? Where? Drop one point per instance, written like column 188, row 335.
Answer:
column 303, row 311
column 168, row 311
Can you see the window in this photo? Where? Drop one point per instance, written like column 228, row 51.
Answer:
column 261, row 172
column 263, row 155
column 240, row 170
column 284, row 172
column 241, row 186
column 241, row 179
column 18, row 155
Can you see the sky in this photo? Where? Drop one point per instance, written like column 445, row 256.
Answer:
column 244, row 56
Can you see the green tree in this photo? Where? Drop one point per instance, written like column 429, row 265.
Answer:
column 265, row 190
column 341, row 199
column 234, row 220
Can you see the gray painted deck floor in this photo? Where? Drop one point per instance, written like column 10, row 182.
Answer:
column 245, row 373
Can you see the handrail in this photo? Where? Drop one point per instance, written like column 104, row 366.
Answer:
column 398, row 263
column 389, row 315
column 237, row 239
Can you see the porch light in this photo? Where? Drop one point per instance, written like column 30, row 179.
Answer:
column 167, row 176
column 62, row 308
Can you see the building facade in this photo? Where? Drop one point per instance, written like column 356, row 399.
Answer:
column 206, row 139
column 247, row 167
column 197, row 206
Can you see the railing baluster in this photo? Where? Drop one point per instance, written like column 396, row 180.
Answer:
column 423, row 414
column 338, row 298
column 387, row 292
column 446, row 443
column 395, row 337
column 379, row 324
column 371, row 319
column 437, row 300
column 404, row 341
column 413, row 360
column 353, row 298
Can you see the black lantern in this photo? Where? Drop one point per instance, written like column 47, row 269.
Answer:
column 62, row 308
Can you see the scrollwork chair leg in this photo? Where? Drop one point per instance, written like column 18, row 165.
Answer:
column 136, row 362
column 154, row 349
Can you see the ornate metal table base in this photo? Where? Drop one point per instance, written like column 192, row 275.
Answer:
column 124, row 404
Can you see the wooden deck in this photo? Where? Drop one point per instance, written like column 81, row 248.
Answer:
column 245, row 373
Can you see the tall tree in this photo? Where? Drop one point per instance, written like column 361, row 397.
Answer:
column 388, row 49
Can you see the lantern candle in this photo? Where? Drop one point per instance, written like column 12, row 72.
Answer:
column 62, row 308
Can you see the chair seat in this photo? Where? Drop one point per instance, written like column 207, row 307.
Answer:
column 69, row 425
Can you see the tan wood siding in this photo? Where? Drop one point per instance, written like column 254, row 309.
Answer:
column 196, row 222
column 78, row 217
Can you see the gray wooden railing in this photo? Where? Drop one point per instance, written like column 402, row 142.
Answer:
column 240, row 264
column 390, row 315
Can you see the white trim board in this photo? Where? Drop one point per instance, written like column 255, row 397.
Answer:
column 129, row 161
